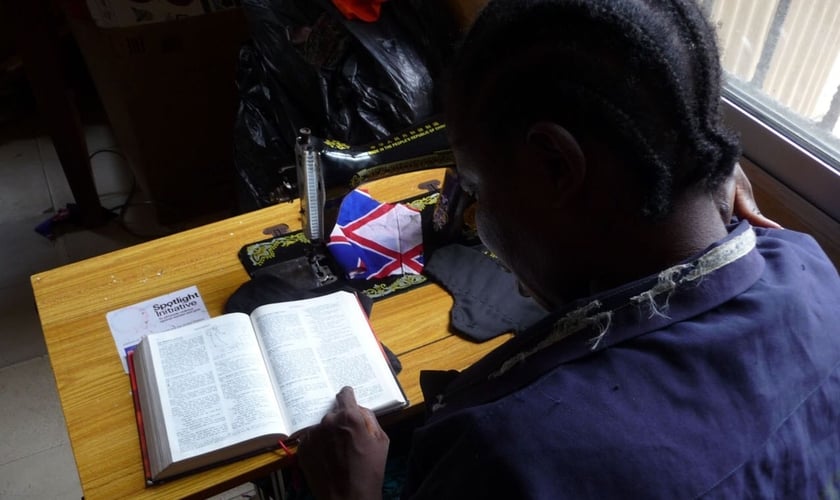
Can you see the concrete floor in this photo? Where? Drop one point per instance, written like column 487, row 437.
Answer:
column 36, row 460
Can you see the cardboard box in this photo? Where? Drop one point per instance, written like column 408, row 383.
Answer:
column 120, row 13
column 169, row 92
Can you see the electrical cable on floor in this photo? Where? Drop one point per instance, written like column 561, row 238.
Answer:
column 120, row 210
column 71, row 213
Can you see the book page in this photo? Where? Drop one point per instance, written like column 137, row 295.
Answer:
column 214, row 387
column 315, row 347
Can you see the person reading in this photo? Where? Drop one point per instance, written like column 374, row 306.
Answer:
column 682, row 356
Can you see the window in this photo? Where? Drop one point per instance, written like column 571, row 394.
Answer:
column 782, row 62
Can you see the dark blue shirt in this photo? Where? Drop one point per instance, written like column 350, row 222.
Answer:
column 717, row 378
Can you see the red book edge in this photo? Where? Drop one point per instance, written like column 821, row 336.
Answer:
column 138, row 414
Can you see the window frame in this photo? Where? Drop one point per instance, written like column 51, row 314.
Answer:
column 801, row 171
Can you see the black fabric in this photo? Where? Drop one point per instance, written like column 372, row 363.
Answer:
column 487, row 301
column 267, row 289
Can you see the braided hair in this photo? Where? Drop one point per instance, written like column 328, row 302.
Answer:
column 641, row 75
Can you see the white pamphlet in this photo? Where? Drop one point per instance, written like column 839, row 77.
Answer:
column 167, row 312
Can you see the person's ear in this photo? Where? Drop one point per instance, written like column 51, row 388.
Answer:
column 560, row 154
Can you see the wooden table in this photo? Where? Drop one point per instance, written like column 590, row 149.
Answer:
column 94, row 391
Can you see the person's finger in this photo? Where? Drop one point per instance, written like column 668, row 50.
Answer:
column 346, row 398
column 300, row 435
column 744, row 204
column 760, row 220
column 746, row 208
column 303, row 446
column 371, row 423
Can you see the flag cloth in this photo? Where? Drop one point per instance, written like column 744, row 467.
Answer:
column 373, row 240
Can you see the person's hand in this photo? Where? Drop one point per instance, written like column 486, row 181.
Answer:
column 736, row 197
column 344, row 456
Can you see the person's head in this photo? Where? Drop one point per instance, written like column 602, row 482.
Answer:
column 577, row 118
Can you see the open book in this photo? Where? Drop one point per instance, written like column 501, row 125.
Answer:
column 233, row 385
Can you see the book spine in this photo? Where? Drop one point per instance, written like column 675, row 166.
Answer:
column 138, row 413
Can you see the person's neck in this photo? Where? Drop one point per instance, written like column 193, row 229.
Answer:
column 649, row 248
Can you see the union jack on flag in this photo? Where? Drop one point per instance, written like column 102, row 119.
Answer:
column 374, row 240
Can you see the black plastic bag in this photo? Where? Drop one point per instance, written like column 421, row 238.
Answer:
column 351, row 81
